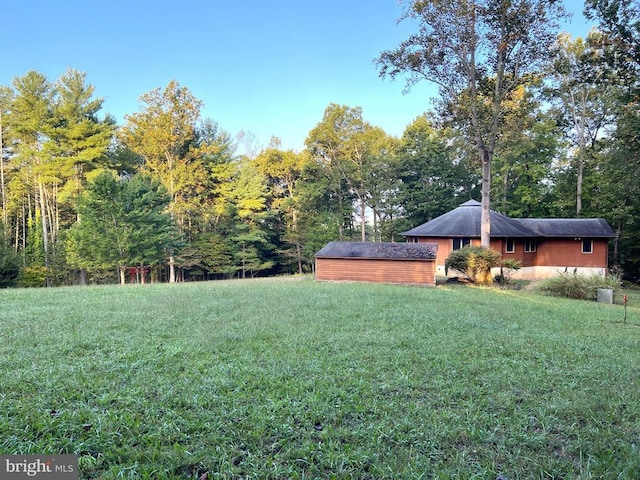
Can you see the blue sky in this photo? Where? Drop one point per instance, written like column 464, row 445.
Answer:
column 266, row 67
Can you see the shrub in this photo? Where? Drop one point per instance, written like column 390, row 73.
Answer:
column 580, row 287
column 507, row 269
column 475, row 262
column 32, row 277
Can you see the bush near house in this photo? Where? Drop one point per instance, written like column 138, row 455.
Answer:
column 579, row 287
column 475, row 262
column 507, row 268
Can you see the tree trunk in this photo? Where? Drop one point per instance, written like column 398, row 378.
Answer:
column 485, row 218
column 363, row 220
column 45, row 235
column 579, row 183
column 172, row 269
column 341, row 218
column 376, row 237
column 5, row 223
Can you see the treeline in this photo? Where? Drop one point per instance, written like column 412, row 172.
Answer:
column 166, row 196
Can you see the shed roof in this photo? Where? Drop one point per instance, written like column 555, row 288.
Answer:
column 379, row 250
column 464, row 221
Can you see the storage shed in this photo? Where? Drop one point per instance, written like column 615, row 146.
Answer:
column 379, row 262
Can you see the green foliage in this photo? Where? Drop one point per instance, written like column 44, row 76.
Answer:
column 124, row 222
column 527, row 149
column 351, row 153
column 431, row 182
column 507, row 268
column 478, row 56
column 577, row 286
column 9, row 262
column 212, row 253
column 32, row 277
column 475, row 262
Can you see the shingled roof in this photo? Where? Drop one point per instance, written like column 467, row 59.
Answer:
column 569, row 227
column 464, row 221
column 379, row 250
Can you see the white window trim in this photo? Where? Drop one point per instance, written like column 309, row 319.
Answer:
column 528, row 244
column 513, row 245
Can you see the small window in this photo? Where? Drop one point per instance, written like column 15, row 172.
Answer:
column 459, row 243
column 510, row 246
column 530, row 245
column 587, row 246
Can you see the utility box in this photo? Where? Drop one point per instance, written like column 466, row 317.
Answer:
column 604, row 295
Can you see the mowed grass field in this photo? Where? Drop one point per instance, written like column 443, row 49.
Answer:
column 290, row 378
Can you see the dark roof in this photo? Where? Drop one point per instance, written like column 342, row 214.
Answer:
column 569, row 227
column 381, row 250
column 464, row 221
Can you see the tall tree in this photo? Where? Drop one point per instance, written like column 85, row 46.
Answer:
column 80, row 137
column 6, row 97
column 431, row 179
column 526, row 151
column 31, row 124
column 163, row 133
column 618, row 63
column 463, row 46
column 326, row 142
column 584, row 102
column 55, row 137
column 349, row 147
column 283, row 171
column 252, row 235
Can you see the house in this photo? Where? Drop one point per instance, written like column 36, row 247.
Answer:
column 543, row 246
column 380, row 262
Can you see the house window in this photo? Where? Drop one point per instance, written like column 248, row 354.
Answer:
column 587, row 246
column 530, row 245
column 510, row 246
column 459, row 243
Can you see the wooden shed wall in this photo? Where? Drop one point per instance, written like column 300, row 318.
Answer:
column 406, row 271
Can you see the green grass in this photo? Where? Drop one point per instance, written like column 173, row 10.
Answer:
column 297, row 379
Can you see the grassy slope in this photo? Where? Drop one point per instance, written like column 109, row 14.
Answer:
column 298, row 379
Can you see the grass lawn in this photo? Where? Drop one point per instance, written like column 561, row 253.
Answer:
column 291, row 378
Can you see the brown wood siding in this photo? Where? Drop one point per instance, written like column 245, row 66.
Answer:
column 415, row 272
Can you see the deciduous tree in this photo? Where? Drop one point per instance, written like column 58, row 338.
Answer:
column 164, row 134
column 431, row 178
column 283, row 172
column 349, row 148
column 463, row 45
column 584, row 102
